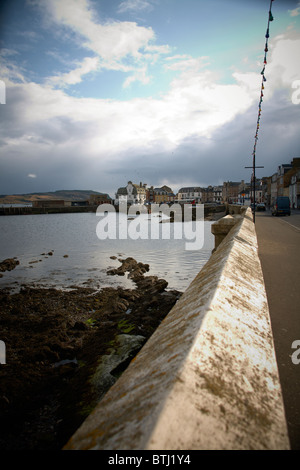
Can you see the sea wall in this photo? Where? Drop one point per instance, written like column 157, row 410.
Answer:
column 27, row 210
column 207, row 378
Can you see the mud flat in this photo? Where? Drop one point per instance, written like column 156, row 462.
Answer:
column 64, row 350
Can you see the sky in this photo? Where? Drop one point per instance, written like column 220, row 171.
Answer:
column 96, row 93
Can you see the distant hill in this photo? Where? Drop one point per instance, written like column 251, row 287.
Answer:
column 66, row 195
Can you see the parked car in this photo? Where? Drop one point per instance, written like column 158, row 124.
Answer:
column 281, row 206
column 258, row 206
column 261, row 207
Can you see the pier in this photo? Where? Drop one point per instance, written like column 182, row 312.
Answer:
column 208, row 377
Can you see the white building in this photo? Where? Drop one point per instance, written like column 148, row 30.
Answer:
column 190, row 194
column 127, row 193
column 217, row 193
column 141, row 194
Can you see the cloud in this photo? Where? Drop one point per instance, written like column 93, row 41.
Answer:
column 10, row 71
column 284, row 67
column 89, row 64
column 194, row 105
column 199, row 128
column 139, row 75
column 295, row 12
column 31, row 175
column 116, row 45
column 112, row 41
column 134, row 6
column 186, row 62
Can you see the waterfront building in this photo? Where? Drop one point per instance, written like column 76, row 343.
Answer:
column 217, row 194
column 97, row 199
column 294, row 190
column 190, row 194
column 273, row 195
column 141, row 193
column 231, row 191
column 163, row 195
column 160, row 196
column 283, row 179
column 127, row 193
column 50, row 203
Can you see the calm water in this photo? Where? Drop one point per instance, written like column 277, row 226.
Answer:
column 30, row 238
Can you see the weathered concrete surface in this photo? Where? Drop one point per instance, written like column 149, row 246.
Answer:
column 207, row 378
column 221, row 228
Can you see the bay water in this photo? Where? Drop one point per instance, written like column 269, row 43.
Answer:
column 63, row 251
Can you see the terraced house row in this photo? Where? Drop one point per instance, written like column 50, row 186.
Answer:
column 285, row 182
column 142, row 194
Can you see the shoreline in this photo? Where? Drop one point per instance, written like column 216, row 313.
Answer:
column 64, row 349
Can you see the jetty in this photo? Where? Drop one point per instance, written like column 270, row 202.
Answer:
column 208, row 376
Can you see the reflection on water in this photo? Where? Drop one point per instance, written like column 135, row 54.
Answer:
column 62, row 250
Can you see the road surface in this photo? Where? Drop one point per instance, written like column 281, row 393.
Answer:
column 279, row 253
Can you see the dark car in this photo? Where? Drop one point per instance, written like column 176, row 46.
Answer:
column 281, row 206
column 261, row 207
column 258, row 206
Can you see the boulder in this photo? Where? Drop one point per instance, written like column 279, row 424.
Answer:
column 8, row 264
column 112, row 364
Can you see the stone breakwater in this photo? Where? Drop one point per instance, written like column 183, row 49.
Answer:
column 66, row 348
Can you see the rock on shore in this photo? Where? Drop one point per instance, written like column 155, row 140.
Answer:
column 8, row 264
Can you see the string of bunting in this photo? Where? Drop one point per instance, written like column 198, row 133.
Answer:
column 270, row 18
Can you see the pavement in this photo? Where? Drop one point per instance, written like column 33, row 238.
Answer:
column 279, row 252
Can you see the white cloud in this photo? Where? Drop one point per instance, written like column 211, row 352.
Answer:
column 112, row 41
column 185, row 62
column 251, row 82
column 134, row 5
column 139, row 75
column 89, row 64
column 295, row 12
column 102, row 132
column 281, row 70
column 195, row 105
column 284, row 65
column 9, row 70
column 117, row 45
column 31, row 175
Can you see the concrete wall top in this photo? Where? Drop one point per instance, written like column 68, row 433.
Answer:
column 207, row 378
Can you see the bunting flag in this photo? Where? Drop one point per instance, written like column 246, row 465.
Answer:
column 267, row 35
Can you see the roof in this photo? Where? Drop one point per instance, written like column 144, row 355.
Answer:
column 123, row 191
column 190, row 189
